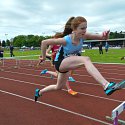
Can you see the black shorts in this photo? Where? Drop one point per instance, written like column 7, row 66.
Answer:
column 1, row 55
column 57, row 65
column 53, row 62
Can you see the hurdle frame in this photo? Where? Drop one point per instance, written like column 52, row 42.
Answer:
column 117, row 111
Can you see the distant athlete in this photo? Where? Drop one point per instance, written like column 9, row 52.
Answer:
column 100, row 48
column 11, row 50
column 1, row 54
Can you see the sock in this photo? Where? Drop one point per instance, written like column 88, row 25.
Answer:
column 106, row 86
column 69, row 90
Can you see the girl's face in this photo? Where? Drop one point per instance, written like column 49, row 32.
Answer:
column 81, row 30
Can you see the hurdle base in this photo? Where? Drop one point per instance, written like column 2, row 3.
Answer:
column 15, row 67
column 120, row 122
column 1, row 69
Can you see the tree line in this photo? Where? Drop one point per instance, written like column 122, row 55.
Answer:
column 35, row 40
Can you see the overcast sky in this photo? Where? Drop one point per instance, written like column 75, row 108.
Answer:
column 44, row 17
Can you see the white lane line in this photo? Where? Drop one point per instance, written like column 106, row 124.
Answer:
column 98, row 67
column 21, row 81
column 59, row 108
column 82, row 70
column 56, row 78
column 110, row 99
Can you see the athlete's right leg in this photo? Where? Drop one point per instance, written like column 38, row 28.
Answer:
column 74, row 62
column 61, row 81
column 62, row 78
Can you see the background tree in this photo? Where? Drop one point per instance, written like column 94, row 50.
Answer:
column 7, row 43
column 3, row 43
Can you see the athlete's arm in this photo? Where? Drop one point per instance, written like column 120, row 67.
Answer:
column 48, row 51
column 102, row 36
column 45, row 43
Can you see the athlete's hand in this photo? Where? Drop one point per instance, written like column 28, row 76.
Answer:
column 41, row 59
column 105, row 34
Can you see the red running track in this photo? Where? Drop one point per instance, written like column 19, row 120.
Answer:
column 89, row 107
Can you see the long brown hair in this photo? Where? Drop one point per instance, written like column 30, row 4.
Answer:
column 68, row 29
column 58, row 35
column 71, row 24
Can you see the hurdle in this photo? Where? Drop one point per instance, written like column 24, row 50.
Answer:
column 115, row 113
column 18, row 60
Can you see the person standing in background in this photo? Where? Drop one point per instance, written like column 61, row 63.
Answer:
column 106, row 47
column 1, row 54
column 11, row 50
column 122, row 58
column 100, row 48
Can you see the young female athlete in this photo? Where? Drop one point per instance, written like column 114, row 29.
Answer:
column 54, row 49
column 67, row 59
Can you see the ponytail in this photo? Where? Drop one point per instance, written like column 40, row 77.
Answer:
column 68, row 29
column 58, row 35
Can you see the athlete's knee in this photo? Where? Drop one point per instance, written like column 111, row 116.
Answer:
column 58, row 87
column 87, row 59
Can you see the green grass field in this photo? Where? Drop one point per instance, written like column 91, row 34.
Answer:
column 113, row 55
column 30, row 53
